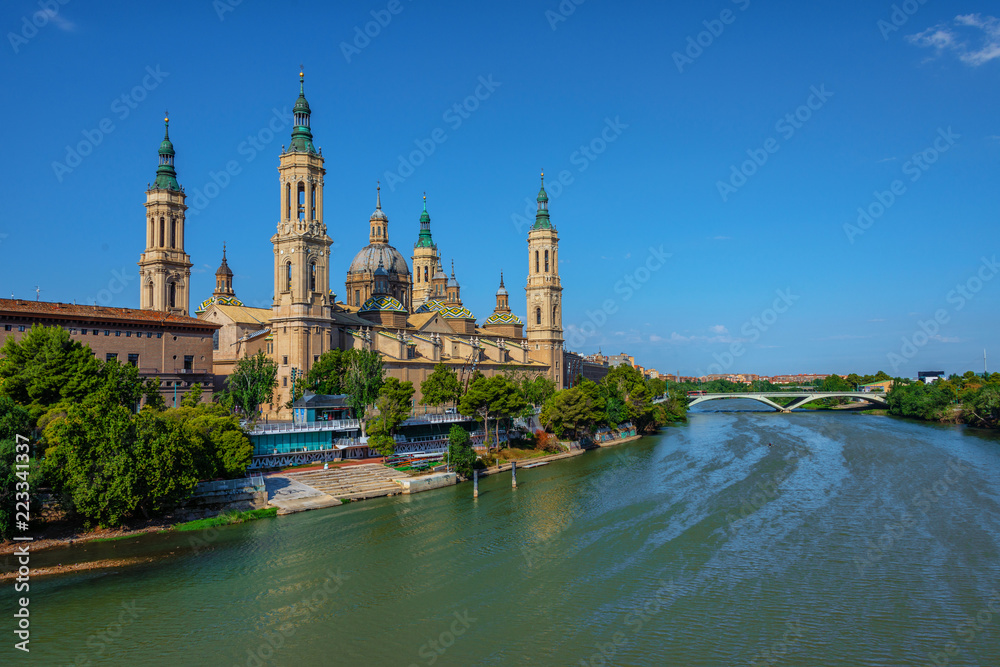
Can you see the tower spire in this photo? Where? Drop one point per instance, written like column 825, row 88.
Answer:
column 378, row 195
column 542, row 220
column 166, row 176
column 302, row 139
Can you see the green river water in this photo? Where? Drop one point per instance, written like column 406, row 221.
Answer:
column 852, row 540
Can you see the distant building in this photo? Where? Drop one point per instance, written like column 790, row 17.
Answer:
column 929, row 376
column 884, row 385
column 175, row 348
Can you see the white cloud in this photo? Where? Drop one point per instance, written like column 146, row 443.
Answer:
column 944, row 339
column 655, row 339
column 719, row 329
column 975, row 39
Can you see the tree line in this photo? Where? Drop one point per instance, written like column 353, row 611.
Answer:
column 106, row 459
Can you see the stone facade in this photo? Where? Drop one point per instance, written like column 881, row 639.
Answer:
column 174, row 348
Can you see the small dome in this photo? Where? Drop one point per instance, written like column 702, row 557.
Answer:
column 368, row 259
column 379, row 216
column 166, row 147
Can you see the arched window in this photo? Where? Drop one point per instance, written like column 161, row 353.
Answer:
column 357, row 297
column 546, row 261
column 312, row 207
column 425, row 274
column 302, row 200
column 161, row 232
column 538, row 315
column 172, row 298
column 555, row 310
column 151, row 237
column 288, row 201
column 288, row 276
column 536, row 261
column 312, row 276
column 173, row 232
column 149, row 294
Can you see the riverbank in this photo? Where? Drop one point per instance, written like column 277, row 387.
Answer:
column 67, row 535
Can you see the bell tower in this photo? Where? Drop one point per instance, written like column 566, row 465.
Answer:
column 425, row 260
column 164, row 268
column 301, row 310
column 544, row 292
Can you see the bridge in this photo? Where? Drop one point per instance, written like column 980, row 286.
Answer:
column 800, row 398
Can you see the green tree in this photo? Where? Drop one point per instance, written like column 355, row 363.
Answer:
column 440, row 387
column 45, row 367
column 15, row 421
column 363, row 380
column 252, row 383
column 461, row 456
column 626, row 384
column 495, row 397
column 221, row 447
column 327, row 375
column 573, row 412
column 152, row 398
column 393, row 405
column 110, row 465
column 192, row 397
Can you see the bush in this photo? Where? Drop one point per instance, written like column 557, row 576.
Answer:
column 461, row 455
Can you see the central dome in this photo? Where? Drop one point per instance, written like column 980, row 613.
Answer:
column 367, row 260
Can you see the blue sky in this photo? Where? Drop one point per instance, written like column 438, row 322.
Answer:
column 714, row 156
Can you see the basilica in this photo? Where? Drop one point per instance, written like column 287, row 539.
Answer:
column 411, row 312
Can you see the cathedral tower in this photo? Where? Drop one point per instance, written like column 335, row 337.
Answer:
column 425, row 260
column 544, row 292
column 301, row 310
column 164, row 268
column 223, row 279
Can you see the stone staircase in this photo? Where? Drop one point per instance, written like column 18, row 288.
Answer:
column 356, row 482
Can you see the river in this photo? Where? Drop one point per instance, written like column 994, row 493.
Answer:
column 851, row 540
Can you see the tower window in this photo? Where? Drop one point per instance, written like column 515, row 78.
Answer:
column 312, row 208
column 536, row 261
column 173, row 295
column 312, row 276
column 538, row 315
column 555, row 309
column 173, row 232
column 161, row 232
column 425, row 274
column 302, row 200
column 288, row 201
column 288, row 276
column 357, row 297
column 546, row 261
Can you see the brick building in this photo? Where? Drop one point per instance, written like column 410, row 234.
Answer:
column 175, row 348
